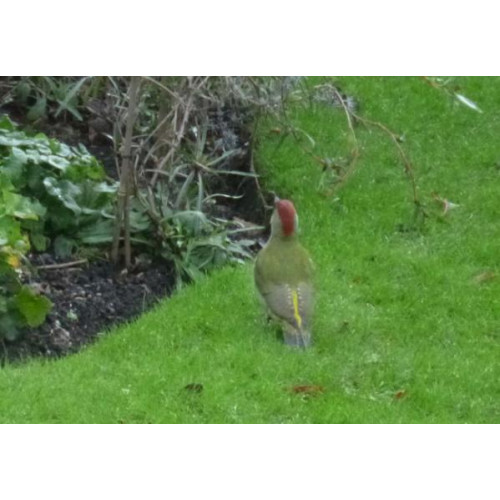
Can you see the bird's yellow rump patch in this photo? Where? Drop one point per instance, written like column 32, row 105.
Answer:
column 296, row 313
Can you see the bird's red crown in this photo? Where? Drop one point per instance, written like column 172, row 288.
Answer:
column 286, row 211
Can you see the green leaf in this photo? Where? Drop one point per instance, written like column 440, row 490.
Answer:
column 139, row 221
column 58, row 162
column 13, row 166
column 58, row 148
column 64, row 191
column 72, row 109
column 191, row 221
column 40, row 137
column 100, row 232
column 10, row 231
column 23, row 91
column 63, row 246
column 39, row 241
column 32, row 306
column 33, row 155
column 71, row 95
column 37, row 110
column 14, row 139
column 22, row 207
column 8, row 327
column 6, row 123
column 94, row 197
column 84, row 167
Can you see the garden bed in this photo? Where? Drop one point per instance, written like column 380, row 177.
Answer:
column 88, row 298
column 90, row 295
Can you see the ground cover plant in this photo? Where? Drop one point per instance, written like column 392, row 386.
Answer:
column 406, row 326
column 51, row 194
column 186, row 187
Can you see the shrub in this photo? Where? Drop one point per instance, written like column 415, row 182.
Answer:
column 68, row 182
column 20, row 305
column 50, row 193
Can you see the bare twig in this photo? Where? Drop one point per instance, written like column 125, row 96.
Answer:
column 345, row 173
column 169, row 157
column 63, row 265
column 355, row 153
column 408, row 168
column 126, row 179
column 257, row 183
column 163, row 87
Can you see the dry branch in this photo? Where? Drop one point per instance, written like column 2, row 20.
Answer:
column 126, row 189
column 63, row 265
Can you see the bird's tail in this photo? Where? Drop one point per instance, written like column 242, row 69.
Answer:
column 297, row 337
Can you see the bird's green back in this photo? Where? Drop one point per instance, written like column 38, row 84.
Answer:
column 283, row 260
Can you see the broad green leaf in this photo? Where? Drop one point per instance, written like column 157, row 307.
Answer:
column 104, row 187
column 6, row 123
column 39, row 241
column 13, row 166
column 10, row 230
column 139, row 221
column 22, row 207
column 32, row 306
column 58, row 162
column 56, row 147
column 42, row 145
column 34, row 155
column 14, row 139
column 83, row 168
column 64, row 191
column 98, row 233
column 94, row 197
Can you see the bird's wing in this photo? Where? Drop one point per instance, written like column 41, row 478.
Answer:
column 292, row 304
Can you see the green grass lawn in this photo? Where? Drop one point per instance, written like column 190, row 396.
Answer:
column 399, row 311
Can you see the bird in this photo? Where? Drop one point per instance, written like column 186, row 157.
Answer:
column 283, row 275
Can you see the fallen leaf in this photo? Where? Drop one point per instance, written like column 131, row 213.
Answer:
column 400, row 394
column 308, row 390
column 485, row 276
column 446, row 204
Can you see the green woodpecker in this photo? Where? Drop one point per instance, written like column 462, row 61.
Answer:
column 283, row 276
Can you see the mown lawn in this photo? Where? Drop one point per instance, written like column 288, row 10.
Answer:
column 407, row 321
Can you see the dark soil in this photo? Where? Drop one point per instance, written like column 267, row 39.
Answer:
column 88, row 299
column 91, row 297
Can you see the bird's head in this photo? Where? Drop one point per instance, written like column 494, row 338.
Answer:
column 284, row 221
